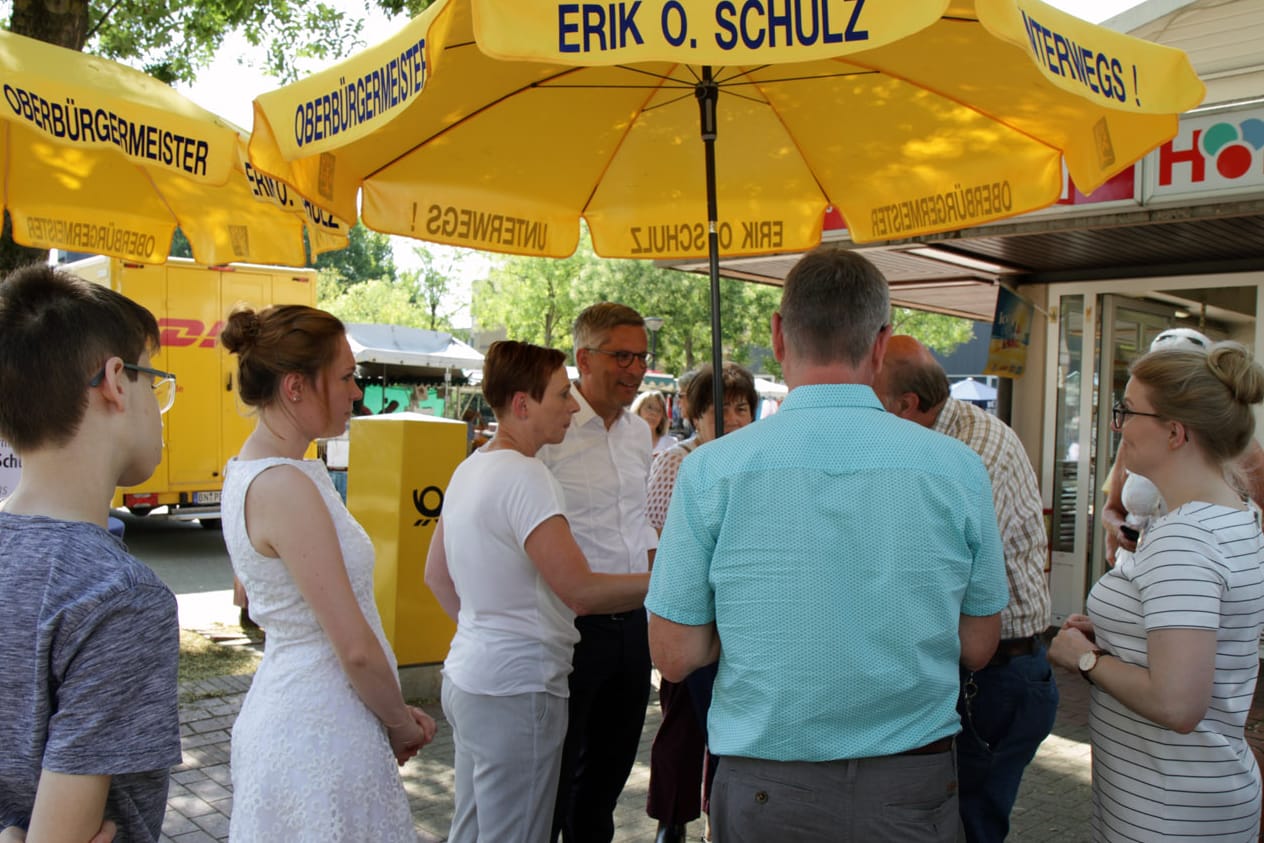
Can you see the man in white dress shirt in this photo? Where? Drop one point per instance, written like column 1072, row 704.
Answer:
column 603, row 467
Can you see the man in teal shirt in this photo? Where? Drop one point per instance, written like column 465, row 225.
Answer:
column 840, row 563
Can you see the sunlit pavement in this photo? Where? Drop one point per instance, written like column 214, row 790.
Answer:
column 1054, row 803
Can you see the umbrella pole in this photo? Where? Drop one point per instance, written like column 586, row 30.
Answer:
column 708, row 92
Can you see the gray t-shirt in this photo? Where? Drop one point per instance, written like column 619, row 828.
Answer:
column 89, row 644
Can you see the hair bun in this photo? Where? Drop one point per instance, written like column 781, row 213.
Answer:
column 1236, row 369
column 242, row 330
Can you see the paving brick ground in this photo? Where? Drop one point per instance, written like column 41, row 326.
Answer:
column 1054, row 802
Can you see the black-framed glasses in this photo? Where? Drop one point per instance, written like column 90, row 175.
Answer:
column 163, row 384
column 1119, row 413
column 625, row 358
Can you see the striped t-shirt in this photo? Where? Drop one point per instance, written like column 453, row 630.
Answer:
column 1199, row 567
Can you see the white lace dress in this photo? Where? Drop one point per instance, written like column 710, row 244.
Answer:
column 309, row 760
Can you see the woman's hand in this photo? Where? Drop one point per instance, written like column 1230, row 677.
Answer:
column 1083, row 623
column 1068, row 645
column 409, row 737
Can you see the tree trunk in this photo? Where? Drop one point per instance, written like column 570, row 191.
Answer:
column 61, row 22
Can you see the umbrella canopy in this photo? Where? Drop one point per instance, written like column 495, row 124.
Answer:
column 498, row 124
column 99, row 157
column 972, row 390
column 910, row 117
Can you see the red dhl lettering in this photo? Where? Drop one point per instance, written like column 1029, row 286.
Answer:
column 183, row 333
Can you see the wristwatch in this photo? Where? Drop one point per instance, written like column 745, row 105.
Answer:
column 1088, row 661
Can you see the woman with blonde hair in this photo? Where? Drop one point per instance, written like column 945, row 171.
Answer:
column 316, row 746
column 1170, row 641
column 652, row 407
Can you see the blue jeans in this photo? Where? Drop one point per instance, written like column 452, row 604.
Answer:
column 1010, row 714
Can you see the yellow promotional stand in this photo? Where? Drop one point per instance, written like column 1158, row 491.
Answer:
column 398, row 470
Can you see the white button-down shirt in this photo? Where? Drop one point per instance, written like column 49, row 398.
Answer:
column 604, row 475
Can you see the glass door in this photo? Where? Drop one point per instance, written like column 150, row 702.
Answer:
column 1128, row 327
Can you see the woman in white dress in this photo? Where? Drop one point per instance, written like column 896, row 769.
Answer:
column 1170, row 641
column 504, row 565
column 316, row 747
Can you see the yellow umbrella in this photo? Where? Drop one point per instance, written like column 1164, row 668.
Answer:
column 99, row 157
column 497, row 124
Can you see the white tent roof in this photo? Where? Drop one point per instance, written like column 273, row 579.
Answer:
column 395, row 345
column 771, row 389
column 972, row 390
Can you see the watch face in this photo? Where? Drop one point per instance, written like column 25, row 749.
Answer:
column 1088, row 661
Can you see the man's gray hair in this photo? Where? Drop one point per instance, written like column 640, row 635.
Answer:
column 595, row 322
column 833, row 305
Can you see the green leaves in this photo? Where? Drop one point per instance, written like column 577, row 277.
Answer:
column 537, row 300
column 174, row 39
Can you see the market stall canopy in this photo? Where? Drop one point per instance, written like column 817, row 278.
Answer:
column 98, row 157
column 972, row 390
column 770, row 389
column 411, row 351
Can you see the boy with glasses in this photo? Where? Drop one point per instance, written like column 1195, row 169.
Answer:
column 89, row 639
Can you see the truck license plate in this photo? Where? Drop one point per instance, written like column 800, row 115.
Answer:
column 206, row 497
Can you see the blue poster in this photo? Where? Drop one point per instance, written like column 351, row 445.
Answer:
column 1011, row 334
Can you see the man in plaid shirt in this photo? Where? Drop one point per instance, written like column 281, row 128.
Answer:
column 1007, row 708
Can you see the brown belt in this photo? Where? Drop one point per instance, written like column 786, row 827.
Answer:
column 932, row 748
column 1012, row 648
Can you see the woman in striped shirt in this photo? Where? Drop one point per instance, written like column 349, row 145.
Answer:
column 1170, row 642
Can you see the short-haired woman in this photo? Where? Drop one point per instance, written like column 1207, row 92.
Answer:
column 504, row 566
column 1170, row 642
column 317, row 744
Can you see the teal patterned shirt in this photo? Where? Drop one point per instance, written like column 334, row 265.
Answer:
column 835, row 546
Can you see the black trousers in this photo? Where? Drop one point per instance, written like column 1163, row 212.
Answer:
column 610, row 688
column 681, row 771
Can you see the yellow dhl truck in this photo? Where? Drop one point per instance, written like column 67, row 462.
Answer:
column 207, row 424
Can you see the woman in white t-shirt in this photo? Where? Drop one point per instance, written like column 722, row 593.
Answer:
column 1170, row 642
column 504, row 565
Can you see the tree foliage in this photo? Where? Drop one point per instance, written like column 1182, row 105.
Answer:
column 376, row 300
column 173, row 39
column 368, row 257
column 936, row 331
column 534, row 298
column 537, row 300
column 432, row 282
